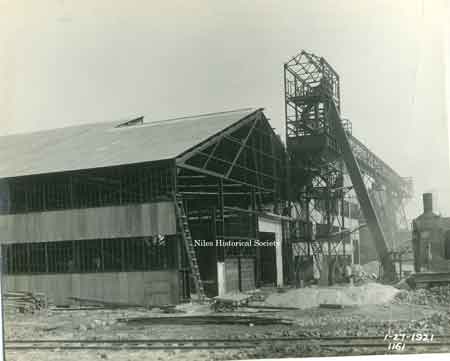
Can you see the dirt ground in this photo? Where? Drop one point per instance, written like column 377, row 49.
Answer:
column 357, row 320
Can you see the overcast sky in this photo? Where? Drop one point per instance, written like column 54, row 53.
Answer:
column 70, row 62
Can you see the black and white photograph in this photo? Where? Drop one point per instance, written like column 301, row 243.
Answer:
column 224, row 180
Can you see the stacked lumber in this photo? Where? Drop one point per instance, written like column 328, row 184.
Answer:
column 24, row 302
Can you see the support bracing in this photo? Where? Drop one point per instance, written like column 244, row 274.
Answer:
column 365, row 202
column 319, row 142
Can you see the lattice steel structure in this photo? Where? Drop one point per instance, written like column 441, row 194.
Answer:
column 319, row 144
column 387, row 190
column 311, row 85
column 311, row 92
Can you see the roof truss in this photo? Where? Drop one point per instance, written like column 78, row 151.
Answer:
column 249, row 153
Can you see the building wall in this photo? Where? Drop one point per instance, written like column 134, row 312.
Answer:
column 140, row 220
column 137, row 220
column 137, row 288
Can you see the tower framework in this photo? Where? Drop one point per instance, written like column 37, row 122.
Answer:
column 317, row 169
column 322, row 148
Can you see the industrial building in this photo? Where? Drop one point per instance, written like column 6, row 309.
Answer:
column 431, row 240
column 145, row 212
column 89, row 211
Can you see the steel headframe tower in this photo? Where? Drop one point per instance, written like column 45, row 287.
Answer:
column 318, row 144
column 311, row 92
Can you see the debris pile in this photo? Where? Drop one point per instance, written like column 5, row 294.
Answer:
column 370, row 270
column 434, row 296
column 219, row 306
column 359, row 275
column 24, row 302
column 438, row 324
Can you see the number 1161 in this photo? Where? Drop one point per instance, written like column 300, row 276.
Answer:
column 396, row 346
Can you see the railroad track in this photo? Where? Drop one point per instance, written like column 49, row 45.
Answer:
column 362, row 342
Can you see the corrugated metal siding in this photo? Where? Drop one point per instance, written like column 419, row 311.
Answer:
column 104, row 145
column 140, row 288
column 91, row 223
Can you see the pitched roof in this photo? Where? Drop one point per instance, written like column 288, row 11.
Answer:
column 105, row 144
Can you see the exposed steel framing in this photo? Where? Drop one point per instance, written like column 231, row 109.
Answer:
column 315, row 137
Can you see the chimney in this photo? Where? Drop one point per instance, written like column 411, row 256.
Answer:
column 427, row 203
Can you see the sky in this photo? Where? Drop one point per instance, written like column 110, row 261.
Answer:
column 65, row 62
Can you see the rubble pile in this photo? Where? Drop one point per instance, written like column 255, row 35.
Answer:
column 218, row 306
column 372, row 267
column 366, row 272
column 360, row 275
column 434, row 296
column 438, row 323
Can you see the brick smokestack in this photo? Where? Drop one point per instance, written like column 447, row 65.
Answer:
column 427, row 202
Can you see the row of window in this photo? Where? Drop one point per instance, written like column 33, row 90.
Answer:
column 93, row 255
column 87, row 189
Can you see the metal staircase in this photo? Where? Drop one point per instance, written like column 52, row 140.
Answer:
column 183, row 226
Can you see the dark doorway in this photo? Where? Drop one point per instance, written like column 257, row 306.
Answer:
column 267, row 261
column 202, row 232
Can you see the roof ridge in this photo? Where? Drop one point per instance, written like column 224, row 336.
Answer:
column 45, row 130
column 202, row 115
column 121, row 121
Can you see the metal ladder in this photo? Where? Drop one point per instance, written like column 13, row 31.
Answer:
column 189, row 246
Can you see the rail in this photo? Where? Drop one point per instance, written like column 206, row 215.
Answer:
column 370, row 342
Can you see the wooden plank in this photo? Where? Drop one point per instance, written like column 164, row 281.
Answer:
column 105, row 303
column 331, row 305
